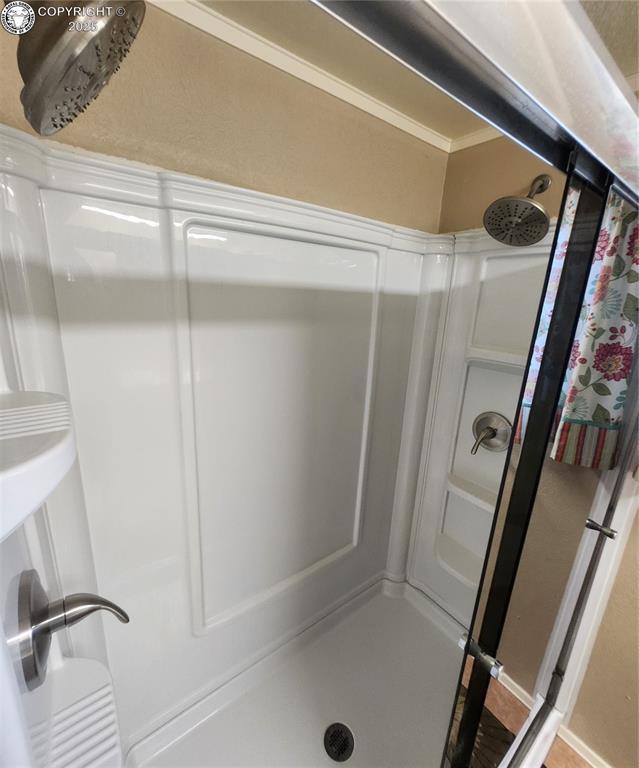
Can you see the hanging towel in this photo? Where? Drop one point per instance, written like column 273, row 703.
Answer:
column 591, row 406
column 605, row 346
column 565, row 228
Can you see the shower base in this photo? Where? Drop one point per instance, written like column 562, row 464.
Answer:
column 386, row 665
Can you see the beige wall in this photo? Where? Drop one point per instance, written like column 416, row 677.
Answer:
column 606, row 716
column 478, row 175
column 225, row 115
column 232, row 118
column 563, row 501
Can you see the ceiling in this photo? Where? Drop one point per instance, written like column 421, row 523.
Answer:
column 617, row 23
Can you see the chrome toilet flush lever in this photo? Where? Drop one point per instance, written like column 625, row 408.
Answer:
column 38, row 619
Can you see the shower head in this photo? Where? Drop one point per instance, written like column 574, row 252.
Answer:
column 519, row 220
column 65, row 67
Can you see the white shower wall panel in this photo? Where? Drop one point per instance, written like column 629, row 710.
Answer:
column 282, row 338
column 114, row 295
column 487, row 331
column 238, row 368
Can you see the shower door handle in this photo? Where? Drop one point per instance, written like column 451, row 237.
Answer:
column 73, row 608
column 38, row 619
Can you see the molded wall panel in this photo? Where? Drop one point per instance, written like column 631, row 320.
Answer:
column 487, row 328
column 487, row 388
column 508, row 298
column 282, row 338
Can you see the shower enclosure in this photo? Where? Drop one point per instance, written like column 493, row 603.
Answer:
column 295, row 434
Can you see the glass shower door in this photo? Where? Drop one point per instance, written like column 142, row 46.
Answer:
column 524, row 465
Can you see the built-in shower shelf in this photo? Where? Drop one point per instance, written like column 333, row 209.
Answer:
column 475, row 494
column 37, row 448
column 462, row 561
column 486, row 355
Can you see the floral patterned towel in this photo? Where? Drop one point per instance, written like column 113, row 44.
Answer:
column 565, row 228
column 604, row 347
column 592, row 402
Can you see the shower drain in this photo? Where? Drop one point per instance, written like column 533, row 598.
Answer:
column 339, row 742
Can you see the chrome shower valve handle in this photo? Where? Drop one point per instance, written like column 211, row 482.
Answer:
column 38, row 619
column 487, row 433
column 491, row 431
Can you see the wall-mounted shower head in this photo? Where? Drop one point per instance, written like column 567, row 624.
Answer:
column 64, row 68
column 519, row 220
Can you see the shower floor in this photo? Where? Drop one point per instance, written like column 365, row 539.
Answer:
column 386, row 665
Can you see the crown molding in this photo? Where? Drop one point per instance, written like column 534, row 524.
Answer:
column 476, row 137
column 213, row 23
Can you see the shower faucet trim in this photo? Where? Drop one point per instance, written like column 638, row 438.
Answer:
column 491, row 431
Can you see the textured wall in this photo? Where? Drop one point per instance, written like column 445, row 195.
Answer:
column 224, row 115
column 563, row 501
column 227, row 116
column 606, row 715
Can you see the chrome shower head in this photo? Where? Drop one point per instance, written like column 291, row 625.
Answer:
column 65, row 68
column 519, row 221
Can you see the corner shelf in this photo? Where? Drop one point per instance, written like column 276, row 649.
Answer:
column 37, row 448
column 476, row 494
column 496, row 357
